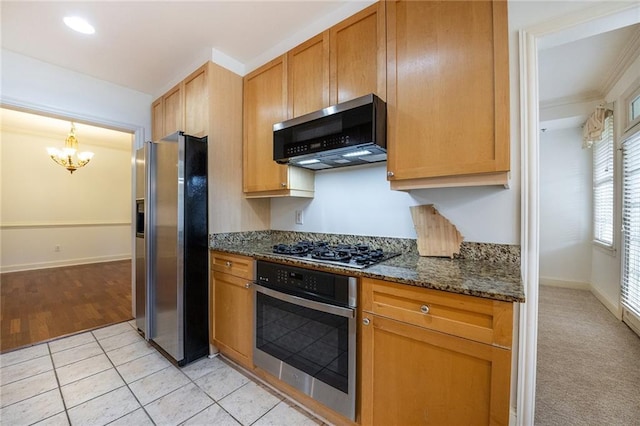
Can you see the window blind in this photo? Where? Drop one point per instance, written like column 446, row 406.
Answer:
column 631, row 224
column 603, row 186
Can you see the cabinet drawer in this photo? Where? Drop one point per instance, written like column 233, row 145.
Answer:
column 474, row 318
column 239, row 266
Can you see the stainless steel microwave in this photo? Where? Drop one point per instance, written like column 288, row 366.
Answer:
column 345, row 134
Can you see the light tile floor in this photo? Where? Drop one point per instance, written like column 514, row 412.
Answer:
column 113, row 376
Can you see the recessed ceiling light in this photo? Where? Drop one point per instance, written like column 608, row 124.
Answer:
column 79, row 24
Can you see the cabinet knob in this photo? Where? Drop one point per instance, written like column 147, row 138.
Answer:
column 390, row 174
column 228, row 264
column 247, row 285
column 283, row 184
column 366, row 321
column 424, row 309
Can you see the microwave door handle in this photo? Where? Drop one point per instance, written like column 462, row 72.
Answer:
column 311, row 304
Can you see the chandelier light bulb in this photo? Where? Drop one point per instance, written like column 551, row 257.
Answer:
column 69, row 157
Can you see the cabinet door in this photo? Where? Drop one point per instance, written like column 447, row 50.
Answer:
column 157, row 120
column 172, row 111
column 232, row 310
column 265, row 103
column 196, row 103
column 308, row 76
column 412, row 376
column 358, row 55
column 448, row 88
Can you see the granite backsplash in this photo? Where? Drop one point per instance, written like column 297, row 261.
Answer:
column 488, row 252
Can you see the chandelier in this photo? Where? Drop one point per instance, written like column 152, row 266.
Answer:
column 68, row 157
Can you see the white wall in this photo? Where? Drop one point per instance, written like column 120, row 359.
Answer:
column 35, row 85
column 41, row 86
column 87, row 214
column 565, row 207
column 357, row 200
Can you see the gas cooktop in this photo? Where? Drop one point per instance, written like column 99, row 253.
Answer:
column 353, row 256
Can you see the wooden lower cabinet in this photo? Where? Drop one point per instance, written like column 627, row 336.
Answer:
column 416, row 376
column 430, row 357
column 232, row 310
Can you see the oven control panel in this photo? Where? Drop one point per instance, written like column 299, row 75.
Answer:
column 304, row 282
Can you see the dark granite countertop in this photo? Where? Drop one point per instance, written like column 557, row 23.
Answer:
column 499, row 280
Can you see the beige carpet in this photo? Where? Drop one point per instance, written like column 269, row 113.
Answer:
column 588, row 363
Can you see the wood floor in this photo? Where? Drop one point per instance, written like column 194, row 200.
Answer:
column 42, row 304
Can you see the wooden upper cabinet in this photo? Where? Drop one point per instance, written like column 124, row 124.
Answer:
column 173, row 113
column 196, row 103
column 265, row 104
column 447, row 93
column 185, row 107
column 308, row 76
column 157, row 120
column 358, row 55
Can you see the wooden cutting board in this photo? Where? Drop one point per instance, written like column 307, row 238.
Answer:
column 437, row 236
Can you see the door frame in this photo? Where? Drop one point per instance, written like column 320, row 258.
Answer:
column 607, row 17
column 138, row 141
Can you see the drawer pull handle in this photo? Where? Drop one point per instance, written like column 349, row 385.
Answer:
column 366, row 321
column 228, row 264
column 424, row 309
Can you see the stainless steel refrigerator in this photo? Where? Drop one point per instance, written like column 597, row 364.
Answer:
column 140, row 249
column 176, row 213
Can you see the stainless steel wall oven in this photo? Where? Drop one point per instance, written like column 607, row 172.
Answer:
column 305, row 332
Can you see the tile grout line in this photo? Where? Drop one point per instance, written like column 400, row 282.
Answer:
column 250, row 378
column 267, row 412
column 285, row 398
column 215, row 402
column 125, row 384
column 27, row 378
column 55, row 373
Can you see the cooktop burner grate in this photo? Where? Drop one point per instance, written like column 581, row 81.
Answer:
column 355, row 256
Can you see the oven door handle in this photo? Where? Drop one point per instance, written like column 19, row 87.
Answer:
column 311, row 304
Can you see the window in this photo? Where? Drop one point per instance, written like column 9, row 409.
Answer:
column 632, row 103
column 634, row 109
column 603, row 186
column 631, row 224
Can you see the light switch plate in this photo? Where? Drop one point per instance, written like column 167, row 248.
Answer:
column 299, row 219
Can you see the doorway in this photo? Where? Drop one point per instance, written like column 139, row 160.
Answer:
column 598, row 18
column 66, row 237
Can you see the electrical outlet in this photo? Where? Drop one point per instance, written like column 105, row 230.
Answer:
column 57, row 248
column 299, row 219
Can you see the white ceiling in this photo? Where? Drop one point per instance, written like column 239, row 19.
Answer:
column 145, row 45
column 581, row 69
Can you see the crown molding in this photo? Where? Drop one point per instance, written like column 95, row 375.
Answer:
column 627, row 56
column 581, row 98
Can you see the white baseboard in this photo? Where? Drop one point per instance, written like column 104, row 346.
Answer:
column 67, row 262
column 554, row 282
column 632, row 321
column 577, row 285
column 613, row 307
